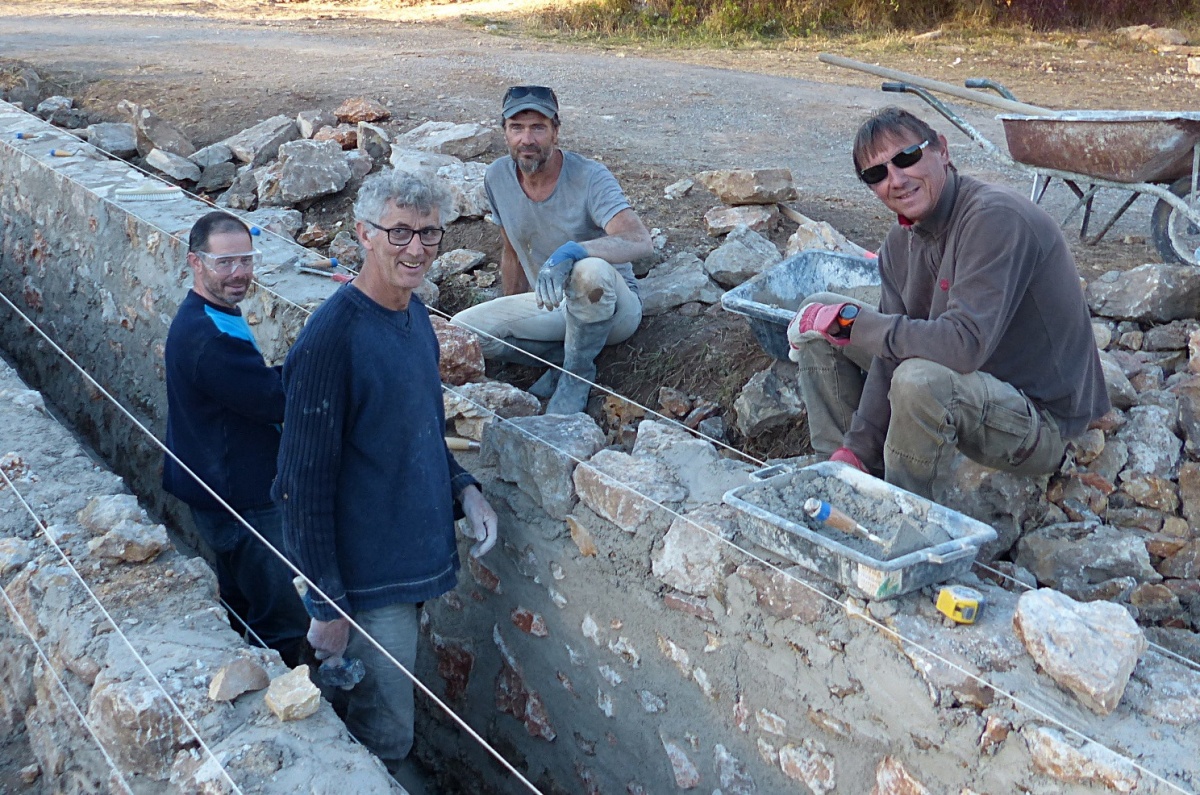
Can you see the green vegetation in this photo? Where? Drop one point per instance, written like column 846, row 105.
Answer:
column 748, row 20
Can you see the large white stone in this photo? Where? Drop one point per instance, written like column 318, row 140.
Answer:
column 1089, row 648
column 447, row 138
column 293, row 696
column 744, row 254
column 1078, row 762
column 472, row 406
column 259, row 144
column 693, row 557
column 628, row 490
column 539, row 455
column 770, row 399
column 173, row 165
column 695, row 462
column 678, row 281
column 749, row 185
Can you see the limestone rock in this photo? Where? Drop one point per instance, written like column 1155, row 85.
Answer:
column 461, row 356
column 1188, row 392
column 357, row 109
column 138, row 724
column 686, row 774
column 694, row 462
column 472, row 406
column 14, row 553
column 259, row 144
column 782, row 594
column 769, row 400
column 460, row 140
column 891, row 778
column 624, row 489
column 118, row 139
column 293, row 696
column 1165, row 689
column 360, row 164
column 1120, row 392
column 1082, row 762
column 344, row 135
column 307, row 170
column 465, row 183
column 1071, row 557
column 154, row 132
column 526, row 451
column 418, row 160
column 749, row 185
column 1153, row 448
column 309, row 121
column 452, row 263
column 51, row 104
column 1184, row 564
column 1088, row 648
column 811, row 764
column 821, row 235
column 240, row 676
column 692, row 557
column 428, row 292
column 679, row 280
column 731, row 773
column 243, row 193
column 1153, row 293
column 346, row 248
column 282, row 221
column 374, row 141
column 216, row 177
column 722, row 220
column 743, row 255
column 1164, row 36
column 174, row 166
column 131, row 542
column 102, row 514
column 211, row 155
column 679, row 188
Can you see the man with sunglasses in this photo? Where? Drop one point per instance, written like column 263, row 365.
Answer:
column 224, row 406
column 982, row 341
column 568, row 235
column 369, row 490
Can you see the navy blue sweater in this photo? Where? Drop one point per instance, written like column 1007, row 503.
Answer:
column 224, row 406
column 366, row 483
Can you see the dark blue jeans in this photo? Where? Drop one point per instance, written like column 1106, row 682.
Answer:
column 253, row 581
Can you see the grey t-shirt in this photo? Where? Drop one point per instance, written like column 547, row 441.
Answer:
column 585, row 199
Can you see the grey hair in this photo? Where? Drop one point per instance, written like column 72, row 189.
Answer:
column 402, row 189
column 889, row 122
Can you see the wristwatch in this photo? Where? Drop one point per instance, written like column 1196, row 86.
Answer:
column 844, row 321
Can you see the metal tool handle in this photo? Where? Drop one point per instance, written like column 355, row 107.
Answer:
column 984, row 82
column 964, row 551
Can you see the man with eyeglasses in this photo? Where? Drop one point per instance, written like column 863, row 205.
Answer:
column 224, row 406
column 568, row 235
column 982, row 341
column 369, row 491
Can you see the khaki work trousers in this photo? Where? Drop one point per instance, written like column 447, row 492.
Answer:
column 935, row 411
column 594, row 293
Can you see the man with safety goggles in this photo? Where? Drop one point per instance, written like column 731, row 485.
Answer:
column 981, row 343
column 568, row 235
column 224, row 406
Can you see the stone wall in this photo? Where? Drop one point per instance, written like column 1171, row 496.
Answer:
column 606, row 645
column 166, row 605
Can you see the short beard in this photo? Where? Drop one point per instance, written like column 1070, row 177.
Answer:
column 532, row 166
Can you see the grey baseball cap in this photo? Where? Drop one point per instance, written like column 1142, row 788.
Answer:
column 539, row 98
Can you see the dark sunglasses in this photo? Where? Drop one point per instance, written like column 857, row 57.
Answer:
column 544, row 93
column 908, row 156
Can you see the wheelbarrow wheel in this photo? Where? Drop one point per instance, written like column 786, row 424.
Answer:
column 1175, row 236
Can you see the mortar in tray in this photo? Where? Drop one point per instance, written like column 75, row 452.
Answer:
column 948, row 540
column 770, row 300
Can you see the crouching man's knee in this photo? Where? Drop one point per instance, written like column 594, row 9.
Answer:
column 921, row 388
column 592, row 290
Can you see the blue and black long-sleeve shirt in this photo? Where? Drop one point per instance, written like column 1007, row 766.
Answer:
column 224, row 406
column 366, row 483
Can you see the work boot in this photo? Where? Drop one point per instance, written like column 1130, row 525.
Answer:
column 582, row 345
column 523, row 352
column 544, row 387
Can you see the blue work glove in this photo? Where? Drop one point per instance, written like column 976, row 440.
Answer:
column 552, row 278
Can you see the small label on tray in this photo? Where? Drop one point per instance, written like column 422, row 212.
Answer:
column 878, row 584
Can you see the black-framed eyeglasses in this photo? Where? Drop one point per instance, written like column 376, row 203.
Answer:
column 401, row 236
column 908, row 156
column 544, row 93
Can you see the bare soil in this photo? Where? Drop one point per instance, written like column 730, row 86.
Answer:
column 653, row 114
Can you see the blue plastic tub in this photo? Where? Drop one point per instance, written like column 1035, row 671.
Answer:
column 770, row 300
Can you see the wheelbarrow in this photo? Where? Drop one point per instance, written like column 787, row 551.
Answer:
column 1137, row 152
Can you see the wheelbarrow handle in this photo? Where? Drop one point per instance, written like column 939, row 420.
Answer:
column 984, row 82
column 896, row 88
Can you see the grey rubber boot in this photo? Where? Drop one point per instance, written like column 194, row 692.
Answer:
column 582, row 345
column 515, row 349
column 544, row 387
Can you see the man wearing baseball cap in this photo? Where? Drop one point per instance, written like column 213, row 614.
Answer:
column 569, row 236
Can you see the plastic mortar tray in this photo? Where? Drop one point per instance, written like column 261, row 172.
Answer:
column 775, row 520
column 770, row 300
